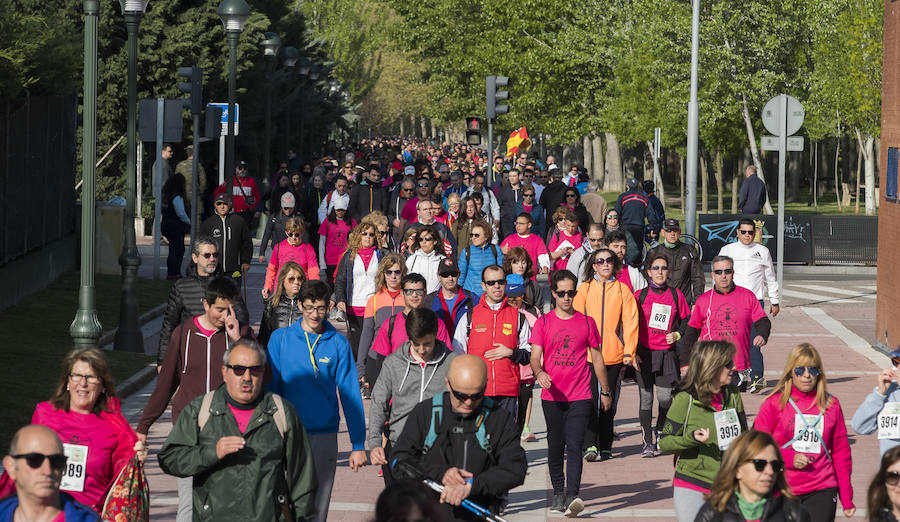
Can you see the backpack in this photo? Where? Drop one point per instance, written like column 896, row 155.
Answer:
column 437, row 410
column 642, row 296
column 279, row 417
column 493, row 250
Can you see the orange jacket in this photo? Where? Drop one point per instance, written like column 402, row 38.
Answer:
column 613, row 307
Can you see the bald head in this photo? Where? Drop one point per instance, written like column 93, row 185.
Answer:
column 467, row 372
column 35, row 435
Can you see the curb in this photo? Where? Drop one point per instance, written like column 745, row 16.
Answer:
column 144, row 318
column 136, row 381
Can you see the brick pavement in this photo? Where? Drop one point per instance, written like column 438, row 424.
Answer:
column 626, row 487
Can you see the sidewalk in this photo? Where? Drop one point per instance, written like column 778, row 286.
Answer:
column 626, row 487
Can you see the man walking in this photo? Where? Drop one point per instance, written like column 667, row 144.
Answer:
column 685, row 265
column 753, row 193
column 450, row 302
column 633, row 209
column 368, row 196
column 232, row 236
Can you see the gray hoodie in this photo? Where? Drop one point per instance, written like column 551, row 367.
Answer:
column 865, row 420
column 403, row 383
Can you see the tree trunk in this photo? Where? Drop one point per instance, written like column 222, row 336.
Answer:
column 681, row 177
column 424, row 128
column 599, row 172
column 867, row 150
column 720, row 188
column 735, row 183
column 837, row 179
column 859, row 163
column 657, row 175
column 434, row 132
column 751, row 137
column 704, row 176
column 588, row 153
column 402, row 126
column 815, row 187
column 614, row 180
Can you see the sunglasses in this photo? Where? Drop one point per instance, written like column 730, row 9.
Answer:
column 368, row 234
column 382, row 233
column 463, row 397
column 291, row 279
column 570, row 195
column 221, row 203
column 660, row 267
column 474, row 234
column 527, row 195
column 495, row 282
column 891, row 478
column 406, row 190
column 392, row 272
column 760, row 465
column 294, row 234
column 423, row 238
column 340, row 210
column 450, row 274
column 36, row 460
column 612, row 216
column 414, row 291
column 605, row 261
column 726, row 271
column 813, row 370
column 566, row 293
column 239, row 370
column 729, row 365
column 421, row 184
column 210, row 254
column 746, row 232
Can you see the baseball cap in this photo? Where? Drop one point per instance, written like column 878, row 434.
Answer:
column 631, row 183
column 515, row 285
column 447, row 266
column 242, row 163
column 340, row 204
column 671, row 224
column 409, row 170
column 288, row 200
column 223, row 197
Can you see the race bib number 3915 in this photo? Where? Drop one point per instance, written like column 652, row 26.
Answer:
column 76, row 466
column 728, row 427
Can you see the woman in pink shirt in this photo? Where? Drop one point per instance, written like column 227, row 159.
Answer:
column 291, row 249
column 334, row 233
column 566, row 239
column 85, row 412
column 808, row 425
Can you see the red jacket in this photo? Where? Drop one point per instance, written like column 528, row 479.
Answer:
column 490, row 327
column 244, row 188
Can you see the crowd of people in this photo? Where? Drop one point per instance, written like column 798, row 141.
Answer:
column 402, row 277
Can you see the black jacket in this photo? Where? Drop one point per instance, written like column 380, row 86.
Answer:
column 367, row 197
column 495, row 473
column 551, row 198
column 507, row 197
column 753, row 195
column 186, row 301
column 275, row 230
column 685, row 269
column 285, row 313
column 633, row 208
column 232, row 238
column 777, row 510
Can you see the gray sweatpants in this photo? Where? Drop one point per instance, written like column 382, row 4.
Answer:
column 324, row 449
column 687, row 503
column 185, row 499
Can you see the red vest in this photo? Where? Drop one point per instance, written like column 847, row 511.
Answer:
column 489, row 327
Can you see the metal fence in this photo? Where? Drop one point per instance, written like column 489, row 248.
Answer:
column 808, row 239
column 37, row 173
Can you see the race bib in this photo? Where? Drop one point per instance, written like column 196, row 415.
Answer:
column 727, row 427
column 76, row 466
column 659, row 316
column 889, row 421
column 808, row 440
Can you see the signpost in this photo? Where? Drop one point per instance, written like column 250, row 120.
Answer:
column 237, row 115
column 782, row 116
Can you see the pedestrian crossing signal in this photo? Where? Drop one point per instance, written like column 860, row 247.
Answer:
column 473, row 131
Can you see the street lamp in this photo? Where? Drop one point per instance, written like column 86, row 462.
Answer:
column 690, row 197
column 271, row 44
column 86, row 329
column 289, row 56
column 233, row 13
column 128, row 336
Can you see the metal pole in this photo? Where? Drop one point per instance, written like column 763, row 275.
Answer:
column 139, row 179
column 86, row 328
column 267, row 148
column 489, row 176
column 232, row 37
column 129, row 337
column 221, row 159
column 195, row 181
column 782, row 159
column 690, row 211
column 157, row 185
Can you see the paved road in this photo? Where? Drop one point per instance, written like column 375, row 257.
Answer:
column 832, row 312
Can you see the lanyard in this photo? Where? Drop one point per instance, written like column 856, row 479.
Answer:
column 808, row 427
column 312, row 357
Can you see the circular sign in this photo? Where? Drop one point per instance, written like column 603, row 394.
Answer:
column 774, row 120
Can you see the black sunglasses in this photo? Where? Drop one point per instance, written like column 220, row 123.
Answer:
column 36, row 460
column 605, row 260
column 725, row 271
column 294, row 234
column 208, row 255
column 494, row 282
column 760, row 465
column 891, row 478
column 239, row 370
column 566, row 293
column 463, row 397
column 393, row 272
column 746, row 232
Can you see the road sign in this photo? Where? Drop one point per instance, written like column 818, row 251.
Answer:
column 773, row 118
column 794, row 143
column 237, row 116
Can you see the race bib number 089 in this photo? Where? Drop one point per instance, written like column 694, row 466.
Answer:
column 76, row 467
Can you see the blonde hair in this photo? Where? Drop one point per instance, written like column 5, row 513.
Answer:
column 388, row 261
column 803, row 354
column 707, row 360
column 746, row 447
column 356, row 237
column 282, row 275
column 377, row 218
column 294, row 224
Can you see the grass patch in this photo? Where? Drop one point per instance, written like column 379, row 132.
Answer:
column 34, row 336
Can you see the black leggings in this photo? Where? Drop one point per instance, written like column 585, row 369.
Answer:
column 821, row 505
column 174, row 234
column 608, row 416
column 592, row 426
column 354, row 331
column 566, row 422
column 525, row 391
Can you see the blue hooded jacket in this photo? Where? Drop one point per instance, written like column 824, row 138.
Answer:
column 74, row 511
column 470, row 269
column 312, row 389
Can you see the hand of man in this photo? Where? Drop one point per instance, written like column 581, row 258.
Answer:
column 800, row 461
column 774, row 310
column 544, row 380
column 245, row 268
column 342, row 307
column 454, row 477
column 142, row 437
column 357, row 459
column 605, row 402
column 884, row 380
column 636, row 363
column 498, row 352
column 140, row 449
column 759, row 341
column 262, row 259
column 232, row 327
column 701, row 435
column 377, row 457
column 454, row 495
column 671, row 337
column 229, row 445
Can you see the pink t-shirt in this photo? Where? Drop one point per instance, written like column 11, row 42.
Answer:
column 241, row 416
column 336, row 236
column 532, row 244
column 409, row 212
column 728, row 317
column 556, row 240
column 566, row 343
column 655, row 338
column 204, row 331
column 384, row 346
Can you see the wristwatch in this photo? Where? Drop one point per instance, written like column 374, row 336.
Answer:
column 605, row 393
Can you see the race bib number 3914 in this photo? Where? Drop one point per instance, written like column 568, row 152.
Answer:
column 889, row 421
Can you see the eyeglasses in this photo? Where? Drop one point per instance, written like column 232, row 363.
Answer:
column 495, row 282
column 891, row 478
column 340, row 210
column 605, row 261
column 392, row 272
column 421, row 184
column 463, row 397
column 291, row 279
column 663, row 268
column 523, row 223
column 424, row 238
column 311, row 309
column 239, row 370
column 36, row 460
column 294, row 234
column 746, row 232
column 77, row 377
column 474, row 234
column 726, row 271
column 760, row 465
column 406, row 189
column 565, row 293
column 208, row 255
column 414, row 291
column 612, row 216
column 813, row 370
column 729, row 365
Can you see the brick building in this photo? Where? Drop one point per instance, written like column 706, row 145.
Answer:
column 887, row 311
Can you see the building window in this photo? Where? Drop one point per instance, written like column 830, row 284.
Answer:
column 891, row 191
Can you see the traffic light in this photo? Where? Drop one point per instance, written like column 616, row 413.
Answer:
column 473, row 131
column 194, row 87
column 493, row 96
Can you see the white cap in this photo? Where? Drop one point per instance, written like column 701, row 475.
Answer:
column 288, row 200
column 340, row 204
column 410, row 170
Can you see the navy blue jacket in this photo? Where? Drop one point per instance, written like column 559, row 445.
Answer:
column 633, row 208
column 753, row 195
column 73, row 510
column 462, row 305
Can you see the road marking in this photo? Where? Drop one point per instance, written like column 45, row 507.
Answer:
column 819, row 298
column 351, row 506
column 522, row 504
column 839, row 291
column 801, row 335
column 855, row 342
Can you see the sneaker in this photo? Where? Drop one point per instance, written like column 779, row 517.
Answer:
column 380, row 472
column 574, row 506
column 365, row 390
column 590, row 454
column 757, row 385
column 648, row 451
column 527, row 436
column 559, row 503
column 616, row 435
column 605, row 455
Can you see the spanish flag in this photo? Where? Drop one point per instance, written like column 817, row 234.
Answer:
column 518, row 140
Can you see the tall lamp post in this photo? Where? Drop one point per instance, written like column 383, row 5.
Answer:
column 233, row 13
column 86, row 329
column 128, row 336
column 290, row 55
column 271, row 44
column 690, row 197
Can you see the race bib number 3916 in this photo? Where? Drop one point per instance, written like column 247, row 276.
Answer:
column 76, row 466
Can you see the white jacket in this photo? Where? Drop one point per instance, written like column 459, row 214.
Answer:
column 753, row 268
column 425, row 265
